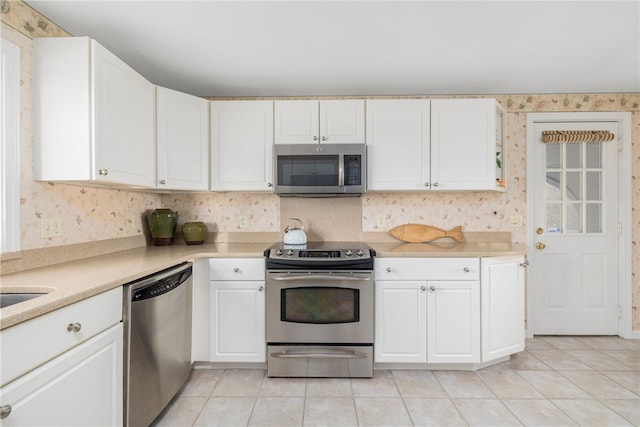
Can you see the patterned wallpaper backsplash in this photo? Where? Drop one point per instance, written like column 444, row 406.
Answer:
column 93, row 214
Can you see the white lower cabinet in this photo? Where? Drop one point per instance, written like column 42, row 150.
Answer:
column 448, row 310
column 237, row 310
column 502, row 306
column 453, row 329
column 71, row 375
column 400, row 322
column 81, row 387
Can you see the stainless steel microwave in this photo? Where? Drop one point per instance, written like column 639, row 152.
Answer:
column 316, row 170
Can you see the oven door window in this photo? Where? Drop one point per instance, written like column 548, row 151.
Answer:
column 320, row 305
column 308, row 171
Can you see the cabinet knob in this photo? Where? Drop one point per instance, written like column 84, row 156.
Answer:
column 260, row 288
column 466, row 269
column 315, row 138
column 236, row 270
column 540, row 245
column 525, row 263
column 74, row 327
column 269, row 184
column 432, row 288
column 324, row 138
column 423, row 288
column 388, row 269
column 163, row 182
column 427, row 184
column 435, row 184
column 5, row 410
column 539, row 230
column 103, row 172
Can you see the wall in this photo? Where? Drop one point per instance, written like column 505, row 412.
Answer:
column 94, row 215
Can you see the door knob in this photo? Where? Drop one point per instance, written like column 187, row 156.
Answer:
column 539, row 230
column 540, row 245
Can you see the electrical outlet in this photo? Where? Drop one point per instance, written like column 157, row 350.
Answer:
column 135, row 223
column 381, row 221
column 242, row 221
column 50, row 227
column 516, row 220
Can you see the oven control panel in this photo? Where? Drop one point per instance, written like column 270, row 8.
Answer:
column 318, row 254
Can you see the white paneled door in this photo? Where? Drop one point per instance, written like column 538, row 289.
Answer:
column 574, row 228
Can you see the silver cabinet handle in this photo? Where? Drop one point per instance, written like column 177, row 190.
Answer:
column 74, row 327
column 432, row 288
column 269, row 184
column 315, row 138
column 388, row 269
column 423, row 288
column 427, row 184
column 324, row 138
column 525, row 263
column 435, row 184
column 236, row 270
column 466, row 269
column 5, row 410
column 260, row 288
column 163, row 182
column 103, row 172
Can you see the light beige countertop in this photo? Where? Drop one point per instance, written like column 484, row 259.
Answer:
column 69, row 282
column 447, row 249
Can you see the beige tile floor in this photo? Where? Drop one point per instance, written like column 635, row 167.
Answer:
column 556, row 381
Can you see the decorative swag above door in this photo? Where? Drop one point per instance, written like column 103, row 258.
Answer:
column 576, row 136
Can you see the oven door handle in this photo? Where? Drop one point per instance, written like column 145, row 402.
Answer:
column 322, row 277
column 347, row 354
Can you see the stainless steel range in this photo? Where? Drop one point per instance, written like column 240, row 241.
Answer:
column 320, row 310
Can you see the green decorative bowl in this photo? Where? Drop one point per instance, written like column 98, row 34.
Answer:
column 194, row 232
column 162, row 224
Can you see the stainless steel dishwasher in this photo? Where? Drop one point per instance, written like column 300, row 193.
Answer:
column 157, row 342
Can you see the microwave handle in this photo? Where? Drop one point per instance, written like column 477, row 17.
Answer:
column 341, row 170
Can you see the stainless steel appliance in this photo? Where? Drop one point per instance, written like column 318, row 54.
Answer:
column 316, row 170
column 157, row 342
column 320, row 302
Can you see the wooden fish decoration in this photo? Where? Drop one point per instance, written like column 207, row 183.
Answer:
column 418, row 233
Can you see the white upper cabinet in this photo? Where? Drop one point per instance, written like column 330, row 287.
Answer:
column 94, row 116
column 466, row 144
column 438, row 145
column 242, row 146
column 324, row 121
column 182, row 140
column 398, row 144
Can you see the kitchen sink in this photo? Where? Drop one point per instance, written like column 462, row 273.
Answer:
column 7, row 299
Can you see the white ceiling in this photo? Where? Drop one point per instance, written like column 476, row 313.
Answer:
column 314, row 48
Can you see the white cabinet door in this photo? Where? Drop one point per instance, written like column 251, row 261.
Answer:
column 124, row 125
column 311, row 122
column 342, row 122
column 82, row 387
column 296, row 122
column 464, row 144
column 400, row 322
column 182, row 141
column 453, row 322
column 94, row 116
column 398, row 144
column 242, row 146
column 237, row 321
column 503, row 329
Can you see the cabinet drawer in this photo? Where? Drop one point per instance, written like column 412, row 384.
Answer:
column 236, row 269
column 30, row 344
column 427, row 268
